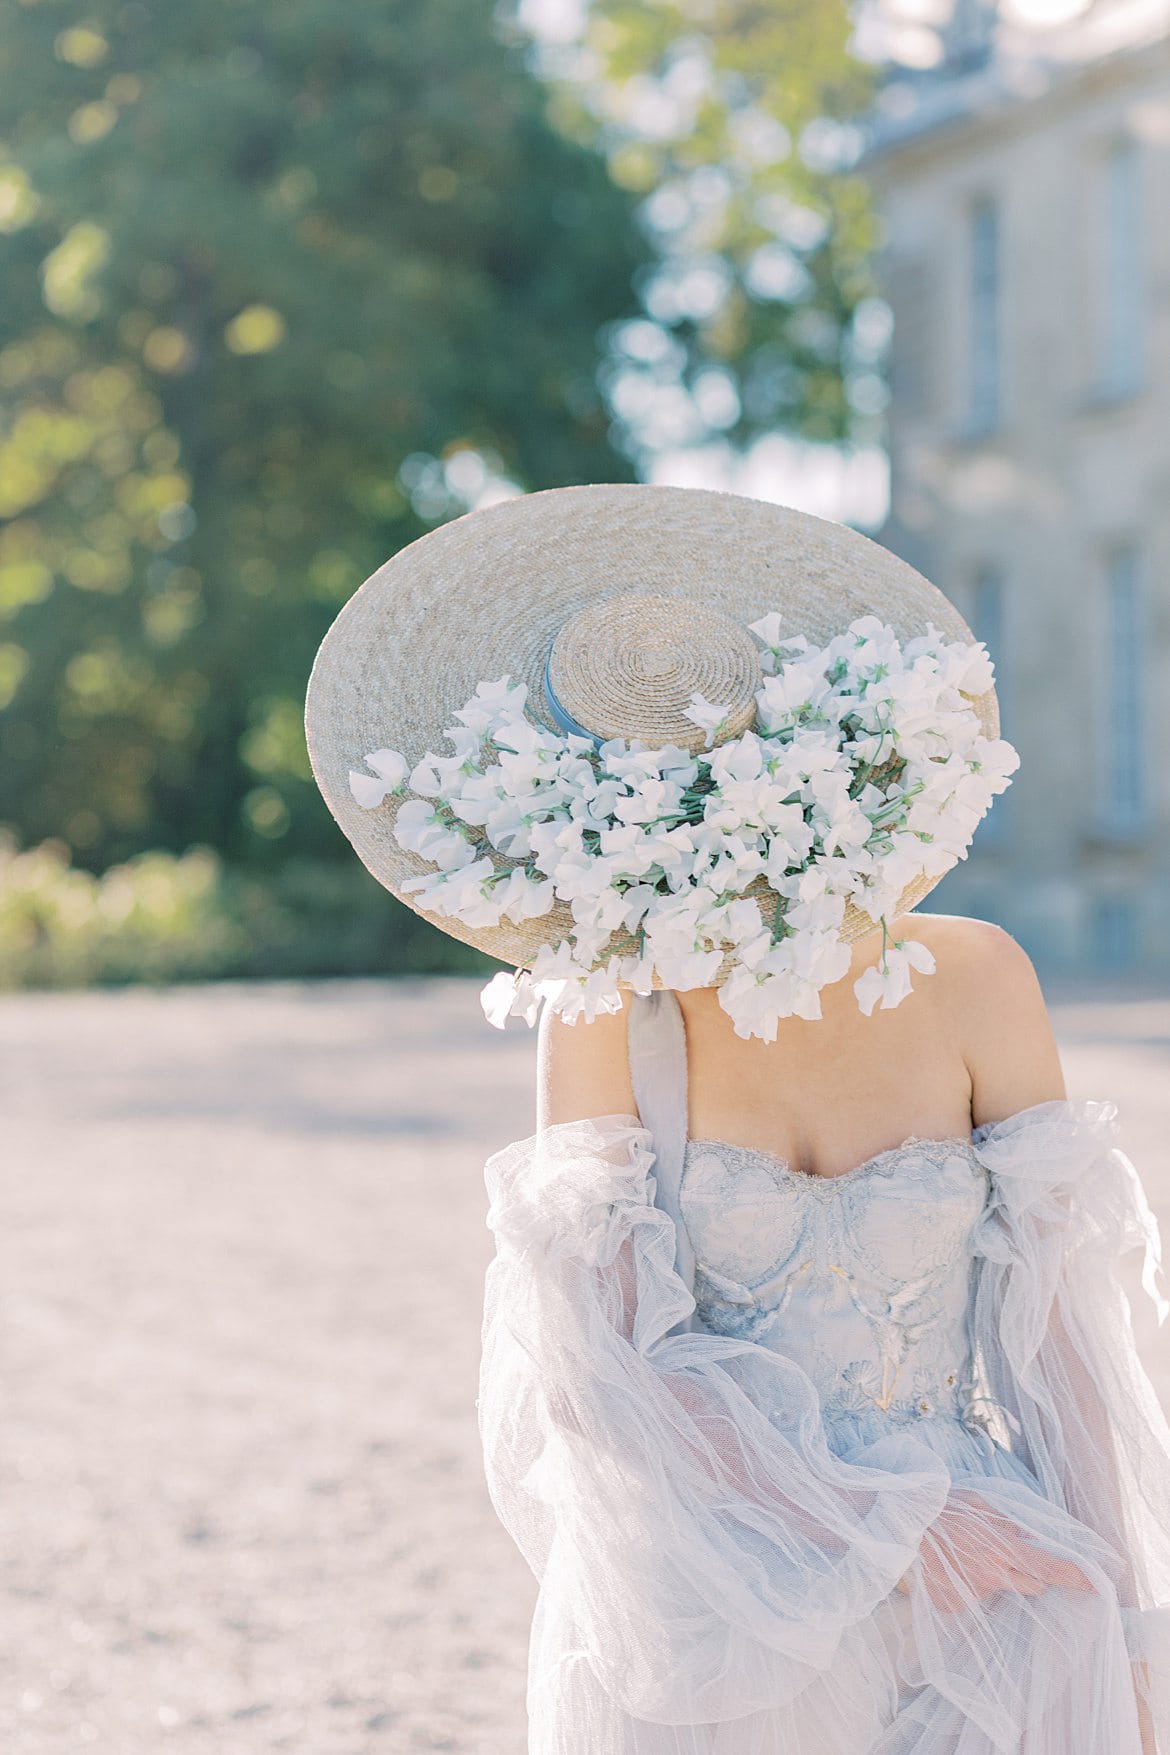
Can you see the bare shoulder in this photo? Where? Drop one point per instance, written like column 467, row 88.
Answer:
column 583, row 1070
column 971, row 954
column 989, row 987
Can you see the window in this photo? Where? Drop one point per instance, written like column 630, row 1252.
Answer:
column 983, row 387
column 1124, row 717
column 1115, row 933
column 987, row 624
column 987, row 619
column 1122, row 269
column 913, row 297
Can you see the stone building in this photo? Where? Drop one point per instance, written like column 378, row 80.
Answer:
column 1022, row 177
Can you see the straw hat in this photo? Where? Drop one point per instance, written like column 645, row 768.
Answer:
column 613, row 604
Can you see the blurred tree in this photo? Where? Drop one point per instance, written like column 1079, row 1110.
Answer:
column 736, row 123
column 285, row 285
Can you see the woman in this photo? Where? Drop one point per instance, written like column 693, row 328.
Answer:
column 809, row 1389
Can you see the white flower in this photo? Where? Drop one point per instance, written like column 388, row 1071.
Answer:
column 434, row 776
column 637, row 972
column 419, row 829
column 627, row 849
column 677, row 765
column 516, row 995
column 571, row 990
column 869, row 644
column 756, row 999
column 767, row 631
column 523, row 898
column 790, row 842
column 503, row 819
column 555, row 841
column 708, row 716
column 596, row 917
column 597, row 992
column 591, row 945
column 632, row 762
column 741, row 759
column 838, row 819
column 391, row 769
column 465, row 743
column 996, row 758
column 966, row 664
column 660, row 847
column 738, row 921
column 814, row 751
column 493, row 704
column 892, row 984
column 499, row 997
column 467, row 893
column 816, row 917
column 756, row 804
column 737, row 862
column 653, row 800
column 798, row 690
column 526, row 739
column 696, row 968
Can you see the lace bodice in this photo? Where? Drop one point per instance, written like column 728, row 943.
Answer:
column 864, row 1279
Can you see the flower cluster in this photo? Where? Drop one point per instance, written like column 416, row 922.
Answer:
column 866, row 767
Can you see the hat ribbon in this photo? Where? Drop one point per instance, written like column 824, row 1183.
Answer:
column 564, row 719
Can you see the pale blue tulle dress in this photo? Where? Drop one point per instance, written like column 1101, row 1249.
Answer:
column 723, row 1405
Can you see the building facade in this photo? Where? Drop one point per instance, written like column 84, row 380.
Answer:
column 1023, row 188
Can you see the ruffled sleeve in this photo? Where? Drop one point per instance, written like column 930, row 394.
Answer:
column 1056, row 1343
column 712, row 1555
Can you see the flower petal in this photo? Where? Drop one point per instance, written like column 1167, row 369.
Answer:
column 367, row 791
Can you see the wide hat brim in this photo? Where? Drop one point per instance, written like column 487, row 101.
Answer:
column 486, row 595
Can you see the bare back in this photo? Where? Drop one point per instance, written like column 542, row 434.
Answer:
column 971, row 1043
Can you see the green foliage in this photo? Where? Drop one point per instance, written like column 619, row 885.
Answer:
column 159, row 917
column 736, row 121
column 285, row 286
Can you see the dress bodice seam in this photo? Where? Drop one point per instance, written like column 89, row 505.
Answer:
column 784, row 1168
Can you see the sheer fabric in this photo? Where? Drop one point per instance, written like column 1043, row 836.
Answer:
column 719, row 1561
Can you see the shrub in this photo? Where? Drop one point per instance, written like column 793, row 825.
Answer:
column 167, row 917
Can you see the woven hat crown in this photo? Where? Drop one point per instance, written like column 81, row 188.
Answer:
column 629, row 666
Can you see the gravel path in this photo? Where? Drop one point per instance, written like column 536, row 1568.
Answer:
column 241, row 1501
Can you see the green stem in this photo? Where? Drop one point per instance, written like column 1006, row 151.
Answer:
column 865, row 773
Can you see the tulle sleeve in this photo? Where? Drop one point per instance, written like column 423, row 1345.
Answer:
column 1055, row 1338
column 712, row 1555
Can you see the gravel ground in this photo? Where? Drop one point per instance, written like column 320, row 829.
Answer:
column 241, row 1501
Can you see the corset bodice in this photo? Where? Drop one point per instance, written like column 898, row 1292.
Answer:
column 865, row 1279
